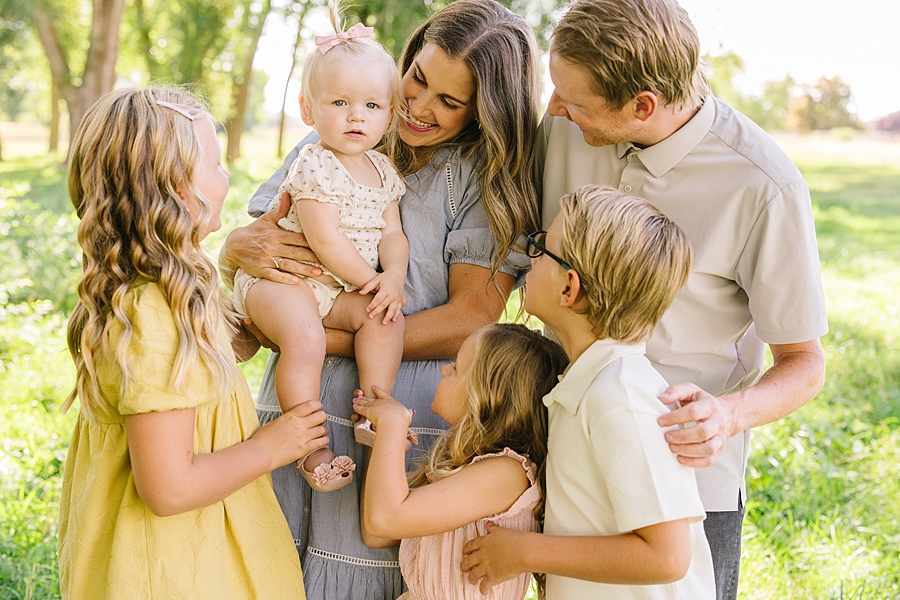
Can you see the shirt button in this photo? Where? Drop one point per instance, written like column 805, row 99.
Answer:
column 329, row 361
column 627, row 188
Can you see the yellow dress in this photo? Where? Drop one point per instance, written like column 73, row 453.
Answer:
column 111, row 545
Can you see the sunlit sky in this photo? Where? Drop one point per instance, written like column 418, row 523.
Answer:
column 857, row 40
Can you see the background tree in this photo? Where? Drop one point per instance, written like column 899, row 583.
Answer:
column 24, row 77
column 243, row 48
column 98, row 73
column 784, row 103
column 826, row 105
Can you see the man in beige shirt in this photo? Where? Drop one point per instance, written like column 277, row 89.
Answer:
column 631, row 108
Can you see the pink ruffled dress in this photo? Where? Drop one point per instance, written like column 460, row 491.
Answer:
column 431, row 564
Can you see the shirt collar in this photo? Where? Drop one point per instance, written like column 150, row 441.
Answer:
column 578, row 376
column 660, row 158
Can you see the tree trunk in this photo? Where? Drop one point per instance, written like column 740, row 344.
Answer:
column 279, row 153
column 100, row 67
column 240, row 91
column 55, row 97
column 144, row 43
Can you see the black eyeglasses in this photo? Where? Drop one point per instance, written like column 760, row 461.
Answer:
column 536, row 247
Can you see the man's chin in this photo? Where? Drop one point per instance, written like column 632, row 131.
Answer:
column 595, row 142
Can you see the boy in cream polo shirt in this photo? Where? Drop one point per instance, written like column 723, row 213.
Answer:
column 623, row 519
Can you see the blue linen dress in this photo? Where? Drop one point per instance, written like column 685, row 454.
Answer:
column 445, row 223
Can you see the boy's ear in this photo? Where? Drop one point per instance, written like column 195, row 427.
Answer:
column 306, row 112
column 571, row 293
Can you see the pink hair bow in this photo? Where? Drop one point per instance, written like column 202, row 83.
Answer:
column 327, row 42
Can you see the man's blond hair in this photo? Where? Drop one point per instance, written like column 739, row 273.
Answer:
column 631, row 258
column 630, row 46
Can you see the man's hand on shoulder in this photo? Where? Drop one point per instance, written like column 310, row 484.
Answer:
column 706, row 423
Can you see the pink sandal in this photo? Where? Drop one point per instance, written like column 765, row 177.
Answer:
column 328, row 477
column 365, row 435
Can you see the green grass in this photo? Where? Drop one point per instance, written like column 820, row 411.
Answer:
column 824, row 492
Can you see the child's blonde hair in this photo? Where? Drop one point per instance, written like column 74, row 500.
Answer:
column 631, row 258
column 513, row 368
column 364, row 50
column 130, row 158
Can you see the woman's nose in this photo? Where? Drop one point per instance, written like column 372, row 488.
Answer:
column 420, row 105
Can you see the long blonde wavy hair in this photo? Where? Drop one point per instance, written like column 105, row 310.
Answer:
column 513, row 368
column 129, row 159
column 500, row 50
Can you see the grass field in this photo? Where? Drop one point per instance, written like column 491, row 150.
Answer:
column 824, row 484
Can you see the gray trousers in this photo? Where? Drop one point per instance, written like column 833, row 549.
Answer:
column 723, row 532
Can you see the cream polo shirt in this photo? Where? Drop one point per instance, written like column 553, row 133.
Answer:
column 609, row 470
column 755, row 278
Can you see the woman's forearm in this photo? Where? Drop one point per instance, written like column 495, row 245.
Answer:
column 475, row 301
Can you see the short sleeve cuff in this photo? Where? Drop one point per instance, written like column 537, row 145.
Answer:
column 794, row 336
column 474, row 247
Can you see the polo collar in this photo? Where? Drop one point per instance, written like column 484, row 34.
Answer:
column 660, row 158
column 578, row 377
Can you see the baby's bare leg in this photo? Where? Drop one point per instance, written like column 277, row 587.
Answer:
column 289, row 316
column 379, row 347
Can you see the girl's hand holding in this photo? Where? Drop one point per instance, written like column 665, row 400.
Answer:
column 294, row 434
column 389, row 297
column 262, row 249
column 493, row 557
column 384, row 412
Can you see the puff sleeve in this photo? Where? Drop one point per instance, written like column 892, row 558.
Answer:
column 317, row 174
column 151, row 359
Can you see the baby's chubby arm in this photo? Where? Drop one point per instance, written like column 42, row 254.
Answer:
column 320, row 221
column 393, row 254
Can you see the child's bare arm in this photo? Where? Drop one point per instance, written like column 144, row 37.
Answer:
column 392, row 510
column 393, row 254
column 651, row 555
column 320, row 221
column 171, row 479
column 393, row 251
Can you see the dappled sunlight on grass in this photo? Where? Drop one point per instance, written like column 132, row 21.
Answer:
column 823, row 519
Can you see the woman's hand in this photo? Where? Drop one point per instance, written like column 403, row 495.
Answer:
column 262, row 249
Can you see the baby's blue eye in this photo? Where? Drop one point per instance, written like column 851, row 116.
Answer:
column 339, row 103
column 371, row 105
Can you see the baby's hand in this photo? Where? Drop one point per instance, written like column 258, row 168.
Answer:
column 389, row 296
column 383, row 411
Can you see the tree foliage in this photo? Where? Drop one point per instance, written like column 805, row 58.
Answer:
column 210, row 44
column 784, row 103
column 825, row 105
column 60, row 27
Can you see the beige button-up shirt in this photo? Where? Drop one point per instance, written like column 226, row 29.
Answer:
column 755, row 278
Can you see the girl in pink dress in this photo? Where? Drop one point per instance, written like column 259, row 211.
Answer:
column 486, row 470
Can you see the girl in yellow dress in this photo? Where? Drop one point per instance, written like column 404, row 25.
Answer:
column 164, row 489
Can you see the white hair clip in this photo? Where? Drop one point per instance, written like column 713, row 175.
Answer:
column 176, row 108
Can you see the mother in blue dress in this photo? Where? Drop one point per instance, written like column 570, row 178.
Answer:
column 465, row 147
